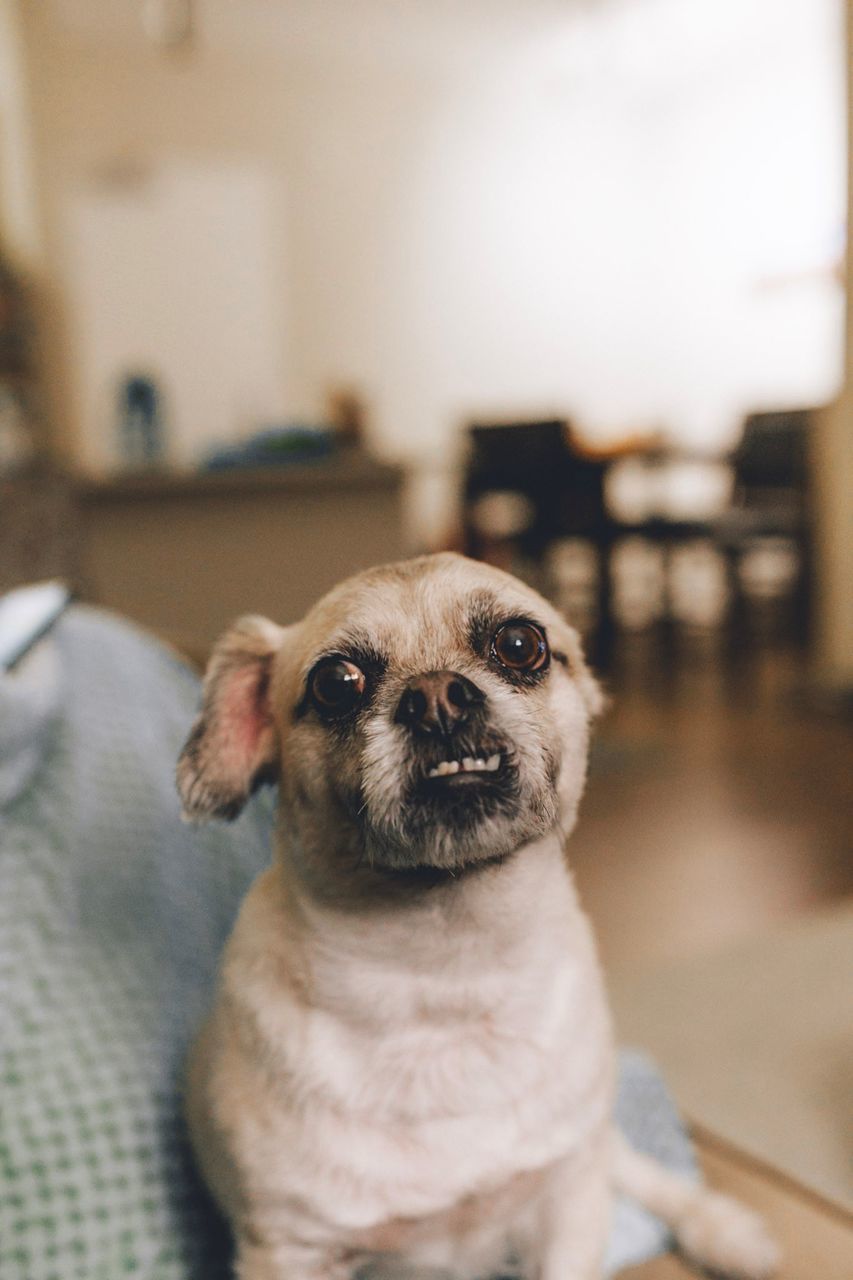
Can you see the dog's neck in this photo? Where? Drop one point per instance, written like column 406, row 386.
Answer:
column 346, row 878
column 500, row 908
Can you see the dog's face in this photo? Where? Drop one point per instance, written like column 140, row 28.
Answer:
column 428, row 714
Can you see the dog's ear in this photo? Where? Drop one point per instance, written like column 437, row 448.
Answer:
column 233, row 745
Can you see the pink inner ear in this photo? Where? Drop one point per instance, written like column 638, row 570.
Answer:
column 242, row 716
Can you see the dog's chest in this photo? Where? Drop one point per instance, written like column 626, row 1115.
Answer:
column 431, row 1047
column 443, row 1097
column 392, row 1073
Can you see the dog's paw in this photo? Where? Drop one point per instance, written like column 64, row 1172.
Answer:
column 723, row 1236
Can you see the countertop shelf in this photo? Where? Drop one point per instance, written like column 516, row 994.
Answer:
column 347, row 470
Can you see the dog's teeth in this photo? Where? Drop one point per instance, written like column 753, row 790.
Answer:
column 470, row 764
column 443, row 767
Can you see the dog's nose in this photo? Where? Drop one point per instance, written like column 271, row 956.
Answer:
column 438, row 702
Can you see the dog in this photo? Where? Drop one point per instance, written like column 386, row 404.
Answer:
column 409, row 1066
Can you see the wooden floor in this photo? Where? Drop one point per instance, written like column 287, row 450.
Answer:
column 719, row 803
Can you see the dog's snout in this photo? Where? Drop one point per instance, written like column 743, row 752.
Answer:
column 438, row 702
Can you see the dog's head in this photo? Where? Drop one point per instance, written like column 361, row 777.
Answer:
column 428, row 714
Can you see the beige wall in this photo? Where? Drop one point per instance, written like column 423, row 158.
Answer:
column 93, row 108
column 19, row 226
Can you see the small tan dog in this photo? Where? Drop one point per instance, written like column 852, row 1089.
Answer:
column 409, row 1064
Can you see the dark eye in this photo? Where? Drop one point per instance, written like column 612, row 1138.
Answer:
column 336, row 686
column 520, row 646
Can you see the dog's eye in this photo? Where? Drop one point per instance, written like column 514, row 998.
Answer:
column 336, row 686
column 520, row 646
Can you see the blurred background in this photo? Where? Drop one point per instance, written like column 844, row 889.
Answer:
column 289, row 287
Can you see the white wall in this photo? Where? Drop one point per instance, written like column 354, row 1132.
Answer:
column 172, row 274
column 625, row 211
column 633, row 219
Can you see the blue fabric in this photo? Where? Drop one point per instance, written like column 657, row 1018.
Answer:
column 112, row 916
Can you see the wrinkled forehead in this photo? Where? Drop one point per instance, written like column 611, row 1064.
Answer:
column 421, row 614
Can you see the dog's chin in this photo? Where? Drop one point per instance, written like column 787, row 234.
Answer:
column 455, row 824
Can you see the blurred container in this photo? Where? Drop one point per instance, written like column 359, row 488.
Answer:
column 141, row 432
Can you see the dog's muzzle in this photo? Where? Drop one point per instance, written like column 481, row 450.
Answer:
column 446, row 715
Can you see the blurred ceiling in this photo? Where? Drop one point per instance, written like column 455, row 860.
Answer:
column 384, row 28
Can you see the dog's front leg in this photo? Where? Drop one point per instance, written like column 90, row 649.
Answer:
column 575, row 1216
